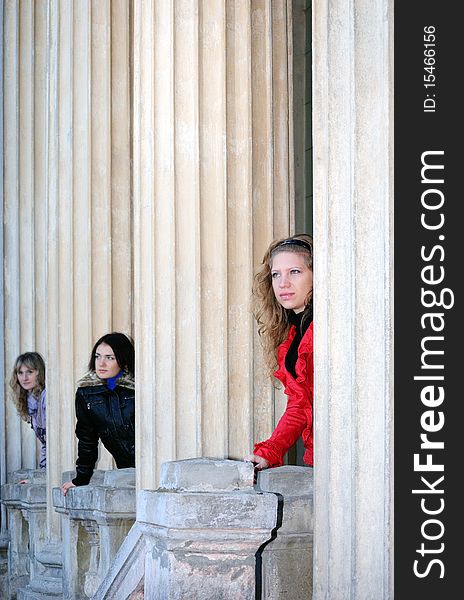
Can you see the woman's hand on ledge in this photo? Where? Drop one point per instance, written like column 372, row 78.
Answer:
column 65, row 487
column 259, row 462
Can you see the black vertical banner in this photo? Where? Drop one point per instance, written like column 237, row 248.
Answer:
column 428, row 319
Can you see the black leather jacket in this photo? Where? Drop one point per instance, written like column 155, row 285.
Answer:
column 106, row 415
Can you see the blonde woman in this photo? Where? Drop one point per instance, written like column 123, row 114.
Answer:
column 282, row 294
column 29, row 395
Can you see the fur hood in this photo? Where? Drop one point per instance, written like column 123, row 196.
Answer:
column 90, row 379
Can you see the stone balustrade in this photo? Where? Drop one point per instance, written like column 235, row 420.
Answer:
column 287, row 561
column 209, row 532
column 34, row 566
column 95, row 520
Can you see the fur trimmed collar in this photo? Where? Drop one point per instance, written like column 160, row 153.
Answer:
column 126, row 380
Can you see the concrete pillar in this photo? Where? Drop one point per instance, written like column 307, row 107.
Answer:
column 59, row 246
column 353, row 130
column 39, row 170
column 211, row 190
column 209, row 532
column 19, row 443
column 206, row 525
column 25, row 204
column 89, row 236
column 3, row 526
column 121, row 167
column 31, row 566
column 287, row 560
column 239, row 221
column 67, row 207
column 273, row 214
column 96, row 519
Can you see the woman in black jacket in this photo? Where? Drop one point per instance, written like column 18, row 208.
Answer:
column 105, row 407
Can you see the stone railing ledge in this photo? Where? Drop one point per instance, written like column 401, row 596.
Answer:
column 32, row 475
column 111, row 492
column 119, row 478
column 207, row 475
column 288, row 480
column 25, row 494
column 97, row 477
column 295, row 485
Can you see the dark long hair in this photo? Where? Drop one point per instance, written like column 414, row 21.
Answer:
column 123, row 348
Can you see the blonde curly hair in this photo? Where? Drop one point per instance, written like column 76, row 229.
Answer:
column 271, row 316
column 34, row 361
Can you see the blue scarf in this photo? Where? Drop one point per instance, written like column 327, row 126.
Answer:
column 112, row 381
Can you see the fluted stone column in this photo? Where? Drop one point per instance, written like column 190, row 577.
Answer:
column 18, row 224
column 353, row 130
column 60, row 365
column 95, row 520
column 89, row 209
column 214, row 186
column 67, row 209
column 121, row 167
column 211, row 190
column 3, row 525
column 272, row 154
column 39, row 110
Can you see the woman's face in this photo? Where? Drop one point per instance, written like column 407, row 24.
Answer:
column 106, row 365
column 27, row 377
column 292, row 280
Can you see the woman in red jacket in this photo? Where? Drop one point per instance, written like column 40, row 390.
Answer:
column 282, row 292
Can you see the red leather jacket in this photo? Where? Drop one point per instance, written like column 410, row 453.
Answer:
column 298, row 416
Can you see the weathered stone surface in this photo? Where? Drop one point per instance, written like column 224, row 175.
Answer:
column 118, row 478
column 206, row 475
column 289, row 480
column 32, row 476
column 4, row 566
column 96, row 518
column 196, row 510
column 206, row 525
column 25, row 493
column 295, row 485
column 34, row 566
column 287, row 559
column 111, row 492
column 126, row 573
column 196, row 536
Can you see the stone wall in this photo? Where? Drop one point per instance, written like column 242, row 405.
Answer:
column 207, row 532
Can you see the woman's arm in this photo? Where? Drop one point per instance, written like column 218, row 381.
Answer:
column 298, row 415
column 288, row 430
column 87, row 447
